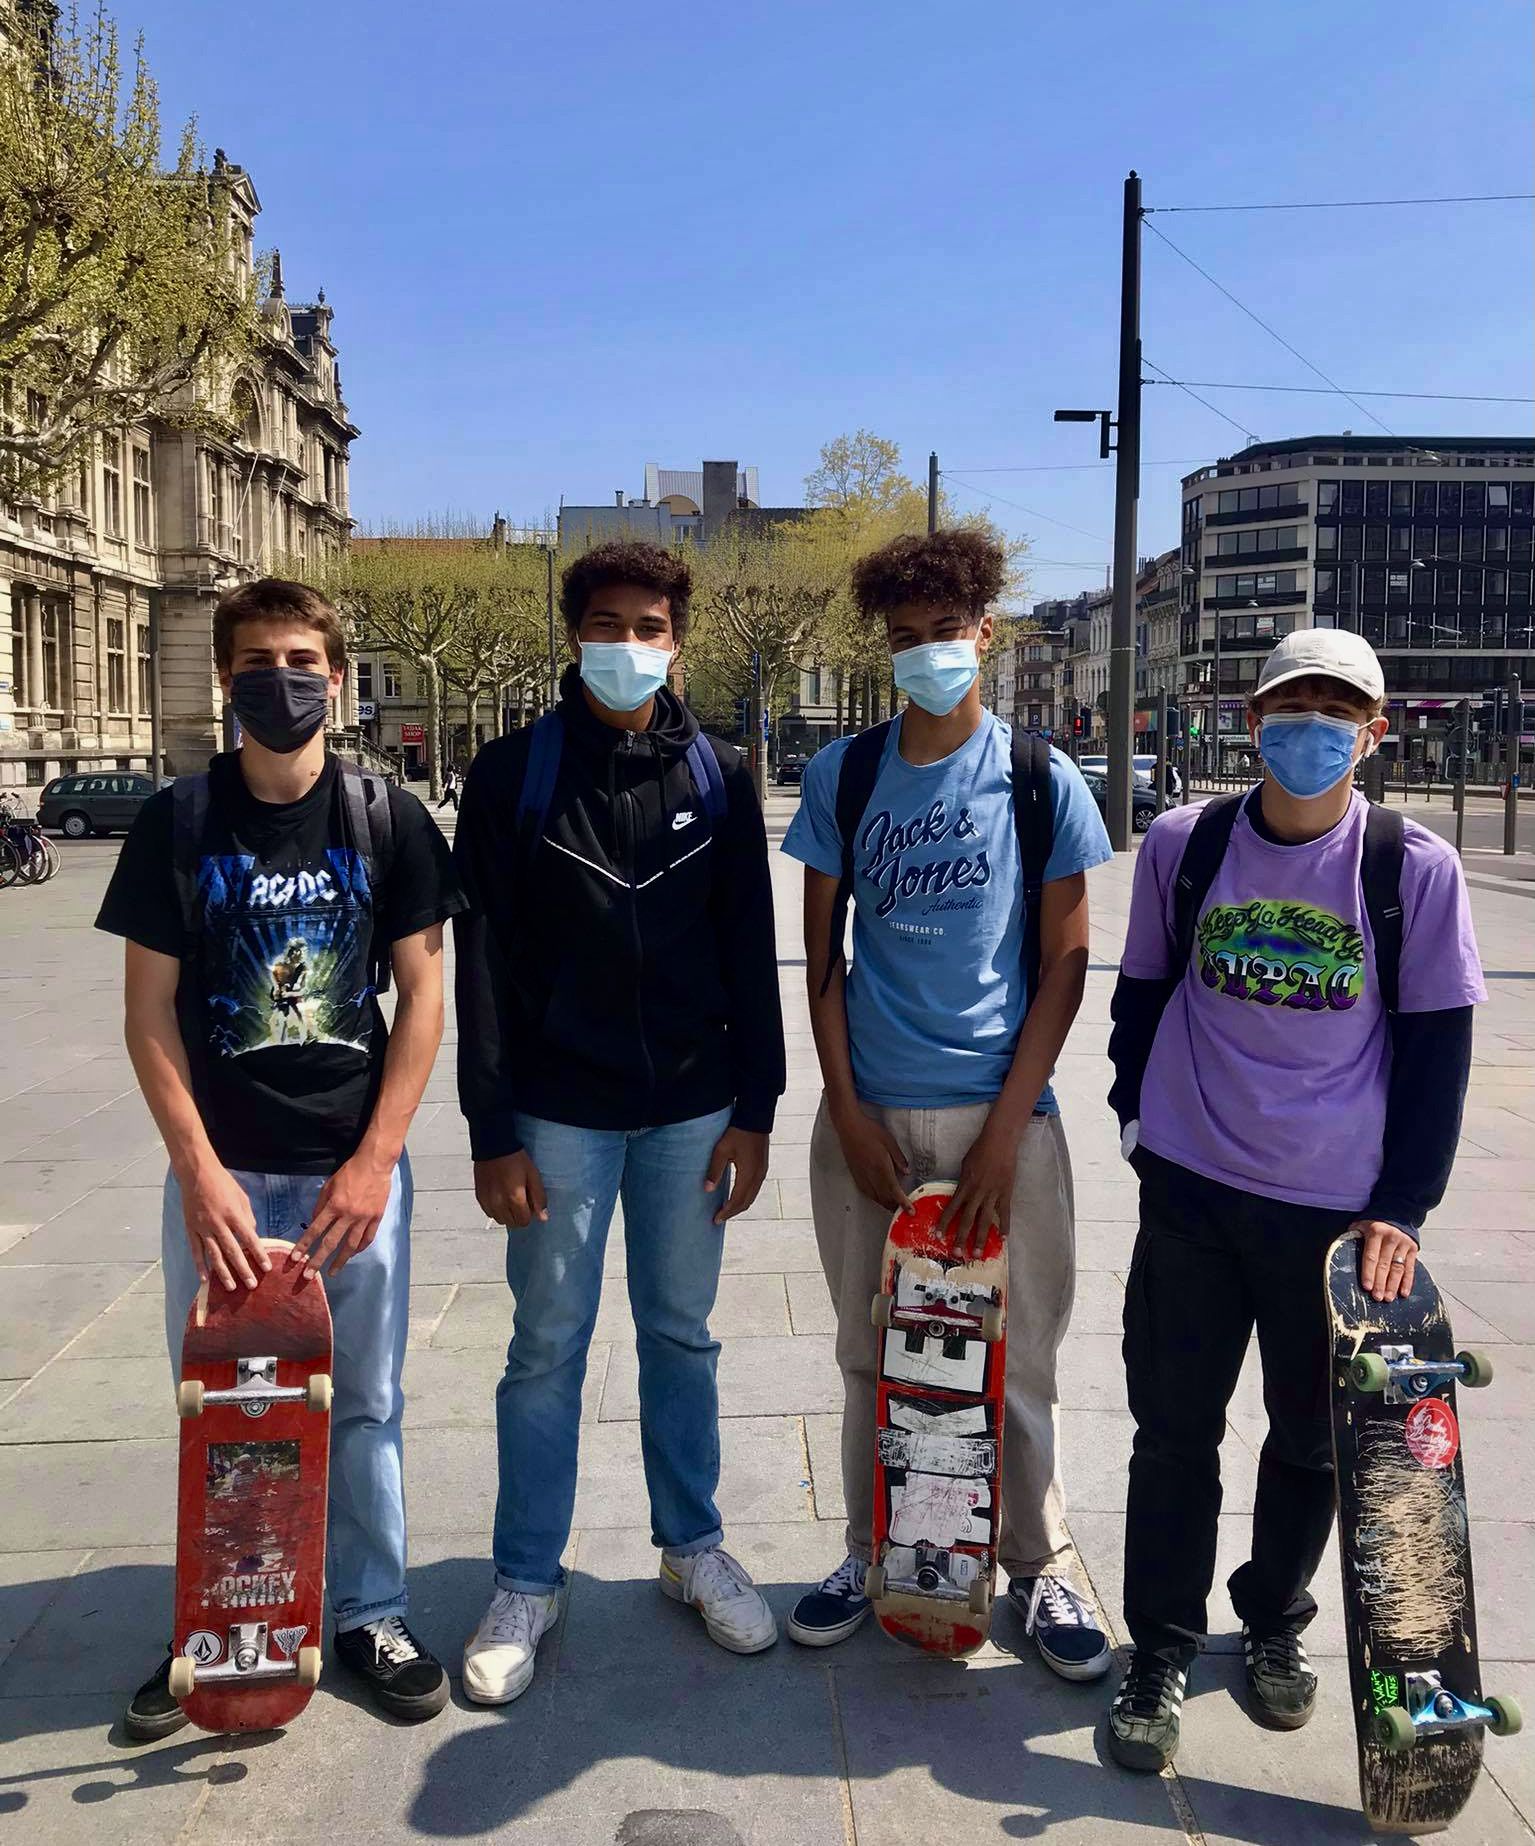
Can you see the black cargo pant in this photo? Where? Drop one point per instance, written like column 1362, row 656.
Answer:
column 1209, row 1263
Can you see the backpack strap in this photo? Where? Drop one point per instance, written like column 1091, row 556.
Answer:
column 1201, row 860
column 1034, row 823
column 546, row 743
column 856, row 776
column 1380, row 874
column 189, row 821
column 705, row 767
column 370, row 825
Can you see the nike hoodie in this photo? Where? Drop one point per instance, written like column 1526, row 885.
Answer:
column 618, row 972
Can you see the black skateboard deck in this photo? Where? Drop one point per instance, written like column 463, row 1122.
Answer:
column 1404, row 1538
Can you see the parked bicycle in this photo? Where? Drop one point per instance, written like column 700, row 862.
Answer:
column 29, row 857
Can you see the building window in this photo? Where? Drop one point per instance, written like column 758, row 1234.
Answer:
column 1471, row 541
column 1447, row 543
column 391, row 680
column 1375, row 541
column 1470, row 585
column 1327, row 586
column 117, row 664
column 112, row 486
column 1351, row 541
column 1518, row 586
column 1353, row 499
column 1401, row 541
column 1476, row 500
column 19, row 654
column 53, row 679
column 1327, row 541
column 144, row 667
column 1521, row 497
column 1426, row 499
column 1374, row 587
column 365, row 679
column 1326, row 497
column 141, row 530
column 1497, row 586
column 1497, row 542
column 1401, row 496
column 1519, row 543
column 1397, row 582
column 1377, row 499
column 1449, row 499
column 217, row 536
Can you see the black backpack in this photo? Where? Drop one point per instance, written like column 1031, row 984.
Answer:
column 1033, row 820
column 1380, row 875
column 370, row 823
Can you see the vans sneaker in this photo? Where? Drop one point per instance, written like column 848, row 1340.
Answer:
column 824, row 1616
column 735, row 1611
column 402, row 1676
column 1063, row 1625
column 500, row 1654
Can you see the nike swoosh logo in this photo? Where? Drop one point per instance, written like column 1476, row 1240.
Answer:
column 679, row 821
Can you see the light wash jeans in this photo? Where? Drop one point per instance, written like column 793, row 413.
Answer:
column 370, row 1312
column 555, row 1272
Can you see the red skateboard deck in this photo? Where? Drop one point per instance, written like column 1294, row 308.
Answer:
column 250, row 1530
column 938, row 1432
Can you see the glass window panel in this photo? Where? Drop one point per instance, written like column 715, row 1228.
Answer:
column 1327, row 496
column 1518, row 586
column 1426, row 498
column 1245, row 585
column 1401, row 541
column 1374, row 586
column 1327, row 541
column 1471, row 586
column 1497, row 586
column 1521, row 497
column 1268, row 496
column 1229, row 500
column 1377, row 499
column 1497, row 542
column 1401, row 496
column 1397, row 583
column 1445, row 584
column 1497, row 496
column 1447, row 542
column 1352, row 541
column 1423, row 585
column 1520, row 542
column 1353, row 499
column 1449, row 499
column 1246, row 628
column 1471, row 538
column 1375, row 541
column 1475, row 500
column 1267, row 538
column 1248, row 503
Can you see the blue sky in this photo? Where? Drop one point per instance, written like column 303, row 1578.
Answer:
column 562, row 243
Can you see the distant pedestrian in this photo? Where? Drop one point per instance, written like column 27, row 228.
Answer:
column 1291, row 1045
column 449, row 790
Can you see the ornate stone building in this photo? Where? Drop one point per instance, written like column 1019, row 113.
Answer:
column 155, row 524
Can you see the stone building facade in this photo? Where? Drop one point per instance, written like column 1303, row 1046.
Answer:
column 150, row 529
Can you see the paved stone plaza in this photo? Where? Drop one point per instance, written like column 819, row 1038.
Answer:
column 638, row 1729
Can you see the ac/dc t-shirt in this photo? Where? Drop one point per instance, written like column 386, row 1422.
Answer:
column 1271, row 1064
column 936, row 997
column 282, row 1027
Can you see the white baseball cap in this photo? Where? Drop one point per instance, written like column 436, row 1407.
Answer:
column 1330, row 651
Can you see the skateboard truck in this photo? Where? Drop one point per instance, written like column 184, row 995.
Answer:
column 255, row 1390
column 1405, row 1380
column 1431, row 1709
column 245, row 1659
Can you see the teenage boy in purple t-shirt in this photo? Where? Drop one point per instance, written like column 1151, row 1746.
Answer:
column 1269, row 1104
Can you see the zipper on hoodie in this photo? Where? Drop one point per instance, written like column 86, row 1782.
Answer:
column 629, row 806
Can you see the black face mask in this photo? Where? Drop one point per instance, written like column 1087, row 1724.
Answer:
column 281, row 707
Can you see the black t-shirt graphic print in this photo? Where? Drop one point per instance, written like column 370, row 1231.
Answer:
column 282, row 1027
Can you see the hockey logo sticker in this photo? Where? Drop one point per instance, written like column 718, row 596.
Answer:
column 1433, row 1435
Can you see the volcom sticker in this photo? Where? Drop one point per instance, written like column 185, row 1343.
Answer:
column 1432, row 1433
column 203, row 1646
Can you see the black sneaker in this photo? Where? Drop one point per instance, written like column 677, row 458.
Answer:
column 152, row 1712
column 1145, row 1715
column 1279, row 1677
column 1063, row 1626
column 402, row 1676
column 830, row 1613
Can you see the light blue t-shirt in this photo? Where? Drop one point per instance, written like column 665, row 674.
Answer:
column 936, row 999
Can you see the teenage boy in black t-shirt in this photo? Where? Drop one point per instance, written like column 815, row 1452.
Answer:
column 254, row 922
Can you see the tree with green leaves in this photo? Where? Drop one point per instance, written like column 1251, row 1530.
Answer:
column 500, row 643
column 121, row 294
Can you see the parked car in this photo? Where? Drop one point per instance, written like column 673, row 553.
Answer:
column 790, row 771
column 102, row 802
column 1146, row 767
column 1143, row 803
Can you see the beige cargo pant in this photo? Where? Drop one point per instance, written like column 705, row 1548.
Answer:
column 850, row 1231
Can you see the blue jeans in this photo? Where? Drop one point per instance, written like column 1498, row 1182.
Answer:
column 555, row 1272
column 370, row 1311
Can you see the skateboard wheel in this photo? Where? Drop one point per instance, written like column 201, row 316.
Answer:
column 1370, row 1372
column 992, row 1323
column 317, row 1393
column 980, row 1597
column 1394, row 1729
column 1507, row 1718
column 309, row 1660
column 874, row 1578
column 879, row 1309
column 189, row 1402
column 183, row 1677
column 1476, row 1369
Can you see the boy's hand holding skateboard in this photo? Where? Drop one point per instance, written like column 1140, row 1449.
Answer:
column 984, row 1192
column 1387, row 1259
column 221, row 1227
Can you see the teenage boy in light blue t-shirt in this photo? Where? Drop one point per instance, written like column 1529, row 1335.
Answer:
column 935, row 1058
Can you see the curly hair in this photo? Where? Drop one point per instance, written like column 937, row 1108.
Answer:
column 630, row 561
column 956, row 570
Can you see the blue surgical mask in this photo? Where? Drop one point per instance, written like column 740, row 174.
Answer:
column 1306, row 752
column 623, row 674
column 937, row 676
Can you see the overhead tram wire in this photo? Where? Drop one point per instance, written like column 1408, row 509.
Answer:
column 1363, row 409
column 1175, row 461
column 1167, row 378
column 982, row 493
column 1342, row 205
column 1435, row 397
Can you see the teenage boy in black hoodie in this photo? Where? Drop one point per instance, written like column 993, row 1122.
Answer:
column 620, row 1036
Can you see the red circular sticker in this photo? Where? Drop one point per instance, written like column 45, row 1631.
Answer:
column 1432, row 1433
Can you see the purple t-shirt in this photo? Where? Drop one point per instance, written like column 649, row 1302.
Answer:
column 1270, row 1066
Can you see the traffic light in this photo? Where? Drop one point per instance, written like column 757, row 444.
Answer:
column 1079, row 723
column 743, row 712
column 1174, row 723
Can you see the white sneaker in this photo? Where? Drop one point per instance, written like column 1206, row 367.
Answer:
column 500, row 1654
column 735, row 1612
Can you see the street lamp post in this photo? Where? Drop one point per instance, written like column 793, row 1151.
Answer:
column 554, row 666
column 156, row 695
